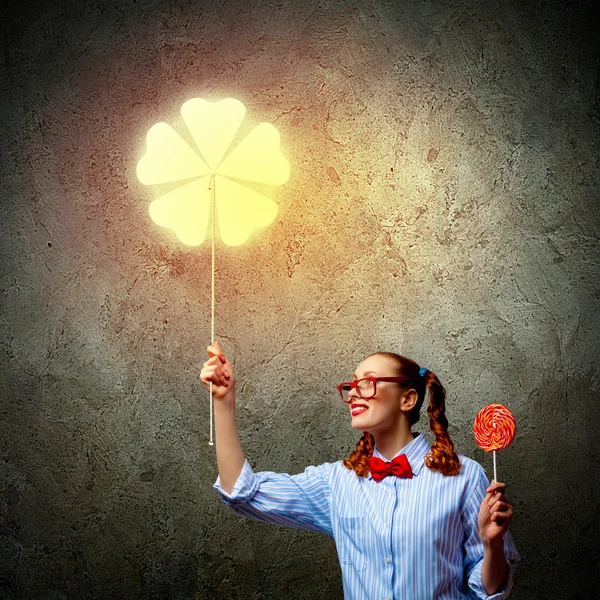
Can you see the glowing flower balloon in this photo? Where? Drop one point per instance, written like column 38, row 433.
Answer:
column 208, row 167
column 211, row 168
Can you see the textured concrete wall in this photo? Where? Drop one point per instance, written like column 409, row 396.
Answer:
column 443, row 204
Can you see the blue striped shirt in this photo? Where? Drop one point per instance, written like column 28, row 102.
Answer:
column 401, row 539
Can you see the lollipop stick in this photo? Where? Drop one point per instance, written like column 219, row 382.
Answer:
column 495, row 474
column 212, row 294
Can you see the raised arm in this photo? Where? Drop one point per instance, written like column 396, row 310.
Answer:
column 230, row 456
column 300, row 501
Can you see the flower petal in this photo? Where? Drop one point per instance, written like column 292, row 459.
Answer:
column 257, row 158
column 168, row 158
column 240, row 210
column 213, row 125
column 186, row 210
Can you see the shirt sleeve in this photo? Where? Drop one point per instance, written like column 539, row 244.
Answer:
column 301, row 501
column 473, row 559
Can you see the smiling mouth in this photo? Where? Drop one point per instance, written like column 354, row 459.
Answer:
column 357, row 409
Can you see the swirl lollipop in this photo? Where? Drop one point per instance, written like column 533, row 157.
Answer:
column 494, row 429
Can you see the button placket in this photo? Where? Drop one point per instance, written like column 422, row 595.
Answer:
column 387, row 532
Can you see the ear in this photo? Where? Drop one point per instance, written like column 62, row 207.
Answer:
column 409, row 400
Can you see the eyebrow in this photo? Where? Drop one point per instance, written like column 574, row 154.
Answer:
column 366, row 373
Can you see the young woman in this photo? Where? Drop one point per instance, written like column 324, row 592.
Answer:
column 411, row 520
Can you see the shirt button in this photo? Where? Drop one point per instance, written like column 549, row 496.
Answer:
column 386, row 524
column 387, row 560
column 387, row 598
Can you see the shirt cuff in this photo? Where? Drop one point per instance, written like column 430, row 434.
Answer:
column 476, row 581
column 245, row 487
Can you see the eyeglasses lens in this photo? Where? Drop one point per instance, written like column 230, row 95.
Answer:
column 345, row 391
column 365, row 388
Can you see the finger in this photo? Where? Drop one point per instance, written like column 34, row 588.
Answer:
column 221, row 376
column 488, row 497
column 496, row 486
column 214, row 374
column 500, row 518
column 217, row 345
column 206, row 376
column 501, row 498
column 214, row 361
column 215, row 356
column 218, row 378
column 497, row 492
column 493, row 499
column 214, row 350
column 499, row 507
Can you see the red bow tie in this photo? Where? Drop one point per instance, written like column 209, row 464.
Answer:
column 399, row 467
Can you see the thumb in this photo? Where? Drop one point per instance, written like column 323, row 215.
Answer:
column 222, row 356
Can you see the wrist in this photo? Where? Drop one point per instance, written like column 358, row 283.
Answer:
column 495, row 545
column 225, row 405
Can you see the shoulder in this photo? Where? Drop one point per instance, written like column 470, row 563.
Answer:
column 475, row 480
column 333, row 477
column 331, row 469
column 471, row 469
column 335, row 472
column 471, row 474
column 325, row 471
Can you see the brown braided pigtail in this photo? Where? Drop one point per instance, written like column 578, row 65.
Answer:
column 358, row 461
column 442, row 456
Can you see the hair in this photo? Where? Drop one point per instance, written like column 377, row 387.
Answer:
column 442, row 456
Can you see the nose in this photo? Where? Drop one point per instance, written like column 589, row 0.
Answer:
column 352, row 394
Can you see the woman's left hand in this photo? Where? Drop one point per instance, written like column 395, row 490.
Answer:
column 495, row 513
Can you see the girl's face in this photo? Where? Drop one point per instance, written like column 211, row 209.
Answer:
column 391, row 402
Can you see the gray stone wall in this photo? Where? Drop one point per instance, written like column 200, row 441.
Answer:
column 443, row 203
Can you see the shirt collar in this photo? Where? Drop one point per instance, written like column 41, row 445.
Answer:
column 415, row 453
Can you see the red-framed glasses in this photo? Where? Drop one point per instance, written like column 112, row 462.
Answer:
column 365, row 387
